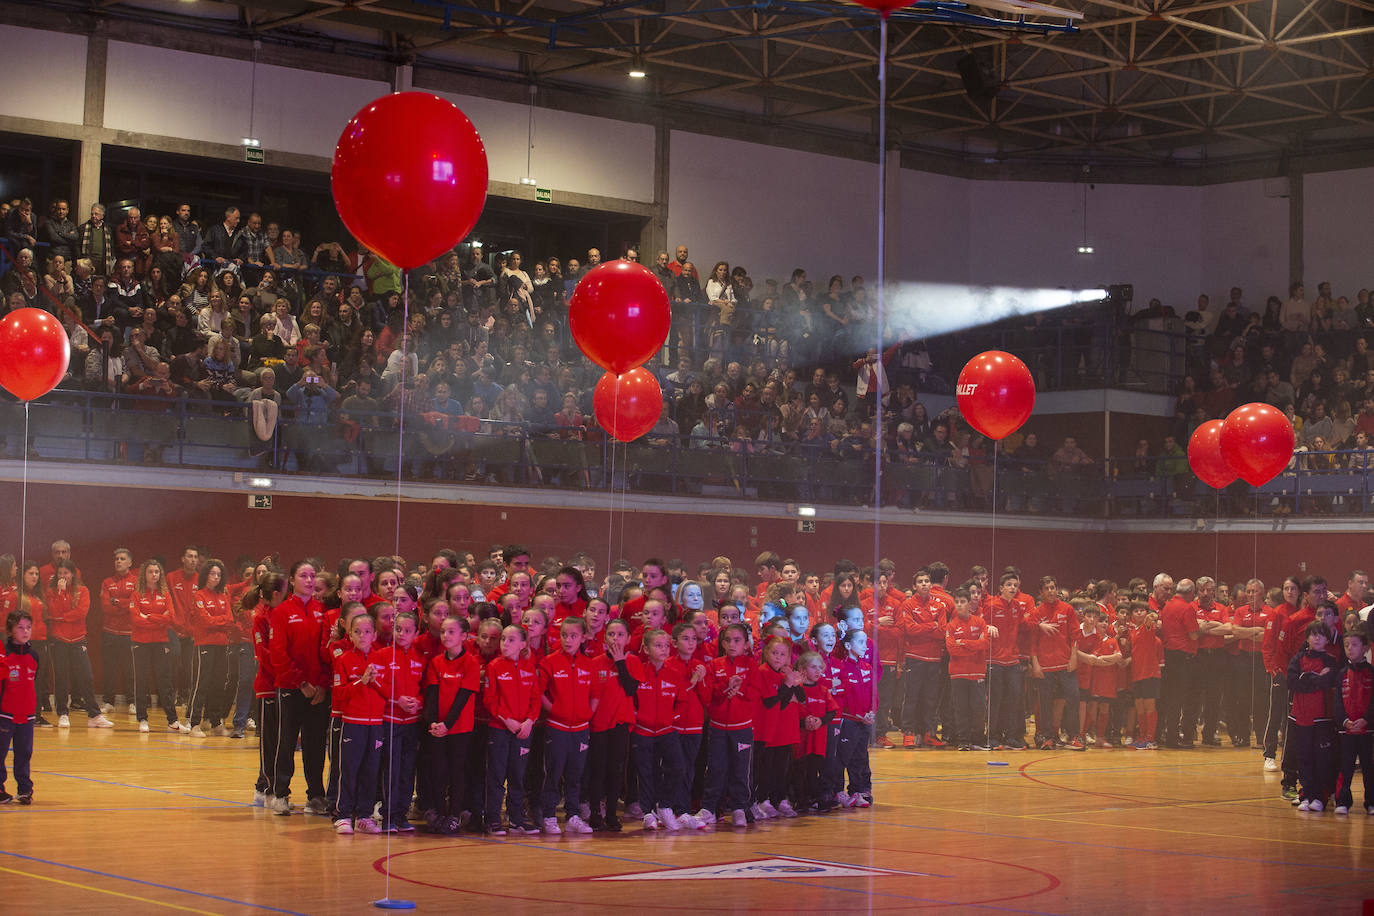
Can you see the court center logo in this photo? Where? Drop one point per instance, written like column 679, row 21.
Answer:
column 775, row 867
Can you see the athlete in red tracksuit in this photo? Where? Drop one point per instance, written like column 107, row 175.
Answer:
column 690, row 669
column 734, row 694
column 511, row 697
column 400, row 679
column 361, row 707
column 657, row 752
column 265, row 694
column 149, row 620
column 295, row 634
column 566, row 677
column 966, row 640
column 923, row 625
column 856, row 718
column 18, row 704
column 615, row 684
column 116, row 598
column 68, row 604
column 777, row 728
column 818, row 710
column 452, row 683
column 212, row 621
column 1006, row 613
column 1312, row 674
column 1354, row 716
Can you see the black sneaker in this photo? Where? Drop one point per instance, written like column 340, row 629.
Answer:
column 5, row 797
column 403, row 825
column 41, row 722
column 613, row 825
column 26, row 799
column 596, row 822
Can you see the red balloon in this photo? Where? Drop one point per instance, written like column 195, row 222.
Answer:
column 409, row 177
column 1205, row 457
column 627, row 406
column 886, row 7
column 1257, row 442
column 34, row 352
column 619, row 315
column 995, row 393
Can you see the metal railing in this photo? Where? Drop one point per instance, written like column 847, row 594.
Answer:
column 101, row 428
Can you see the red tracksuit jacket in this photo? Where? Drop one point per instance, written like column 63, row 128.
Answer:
column 400, row 673
column 359, row 704
column 67, row 614
column 512, row 690
column 18, row 675
column 295, row 628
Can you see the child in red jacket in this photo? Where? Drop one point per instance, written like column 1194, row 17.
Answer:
column 734, row 691
column 1312, row 674
column 616, row 676
column 857, row 703
column 452, row 682
column 18, row 704
column 689, row 720
column 566, row 678
column 967, row 641
column 511, row 697
column 361, row 705
column 400, row 679
column 818, row 710
column 778, row 728
column 1354, row 718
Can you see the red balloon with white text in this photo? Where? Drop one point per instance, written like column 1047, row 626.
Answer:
column 996, row 393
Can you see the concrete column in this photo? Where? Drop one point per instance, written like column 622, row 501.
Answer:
column 403, row 78
column 654, row 237
column 87, row 179
column 1295, row 229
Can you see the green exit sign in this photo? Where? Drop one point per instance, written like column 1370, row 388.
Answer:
column 259, row 500
column 253, row 154
column 543, row 195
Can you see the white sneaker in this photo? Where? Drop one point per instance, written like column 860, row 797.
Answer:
column 253, row 726
column 259, row 799
column 739, row 819
column 1304, row 805
column 133, row 710
column 219, row 731
column 107, row 707
column 706, row 817
column 64, row 722
column 785, row 809
column 99, row 722
column 343, row 827
column 577, row 825
column 668, row 818
column 842, row 798
column 768, row 810
column 551, row 826
column 182, row 727
column 1342, row 809
column 1315, row 805
column 280, row 806
column 198, row 732
column 757, row 810
column 1271, row 765
column 143, row 726
column 651, row 821
column 367, row 825
column 691, row 822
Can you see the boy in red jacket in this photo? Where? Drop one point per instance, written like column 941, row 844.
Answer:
column 1054, row 665
column 1354, row 718
column 1312, row 674
column 923, row 620
column 967, row 642
column 18, row 704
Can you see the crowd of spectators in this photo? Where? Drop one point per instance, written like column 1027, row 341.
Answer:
column 236, row 315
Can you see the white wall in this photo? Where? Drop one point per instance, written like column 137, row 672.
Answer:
column 572, row 152
column 1337, row 210
column 932, row 238
column 201, row 97
column 1026, row 233
column 771, row 209
column 1244, row 243
column 45, row 75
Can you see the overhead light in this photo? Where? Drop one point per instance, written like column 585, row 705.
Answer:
column 528, row 181
column 251, row 141
column 1085, row 249
column 806, row 511
column 261, row 483
column 637, row 73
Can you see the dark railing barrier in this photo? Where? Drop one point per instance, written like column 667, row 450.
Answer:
column 101, row 428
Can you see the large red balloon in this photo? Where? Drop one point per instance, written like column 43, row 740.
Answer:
column 409, row 177
column 627, row 406
column 1205, row 457
column 886, row 7
column 995, row 393
column 619, row 315
column 1257, row 442
column 34, row 351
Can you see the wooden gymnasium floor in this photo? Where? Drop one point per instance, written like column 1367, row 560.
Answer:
column 135, row 823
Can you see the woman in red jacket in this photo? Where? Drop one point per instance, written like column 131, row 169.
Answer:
column 212, row 619
column 150, row 616
column 68, row 604
column 295, row 637
column 270, row 591
column 26, row 594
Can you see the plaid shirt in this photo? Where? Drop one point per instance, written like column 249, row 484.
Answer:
column 257, row 245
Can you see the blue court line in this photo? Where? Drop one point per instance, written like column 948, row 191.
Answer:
column 1165, row 852
column 810, row 884
column 104, row 782
column 1010, row 773
column 165, row 887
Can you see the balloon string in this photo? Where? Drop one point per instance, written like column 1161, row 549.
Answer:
column 24, row 498
column 993, row 577
column 610, row 509
column 877, row 370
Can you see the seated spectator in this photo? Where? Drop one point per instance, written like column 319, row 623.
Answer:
column 140, row 358
column 1070, row 459
column 21, row 277
column 157, row 385
column 569, row 419
column 285, row 327
column 212, row 316
column 266, row 348
column 21, row 227
column 105, row 362
column 58, row 281
column 266, row 389
column 80, row 344
column 126, row 295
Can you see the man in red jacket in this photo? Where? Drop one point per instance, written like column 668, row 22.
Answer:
column 1054, row 666
column 1178, row 700
column 181, row 583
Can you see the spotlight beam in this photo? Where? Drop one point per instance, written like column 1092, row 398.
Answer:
column 924, row 310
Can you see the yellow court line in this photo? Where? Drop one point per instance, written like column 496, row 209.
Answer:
column 101, row 890
column 1078, row 823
